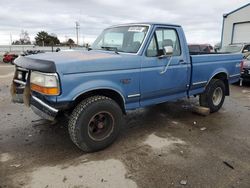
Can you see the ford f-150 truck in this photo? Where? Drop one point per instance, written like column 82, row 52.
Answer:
column 128, row 67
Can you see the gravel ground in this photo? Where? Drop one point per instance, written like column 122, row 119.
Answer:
column 161, row 146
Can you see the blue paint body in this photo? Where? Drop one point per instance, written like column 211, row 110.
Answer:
column 83, row 71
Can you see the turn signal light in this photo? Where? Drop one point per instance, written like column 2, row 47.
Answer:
column 45, row 90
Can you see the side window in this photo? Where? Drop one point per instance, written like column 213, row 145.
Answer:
column 152, row 48
column 168, row 37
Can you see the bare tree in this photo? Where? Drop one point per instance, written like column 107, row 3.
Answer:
column 24, row 37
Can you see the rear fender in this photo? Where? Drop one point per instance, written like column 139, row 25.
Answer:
column 221, row 74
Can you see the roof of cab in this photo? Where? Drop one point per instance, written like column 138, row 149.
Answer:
column 146, row 23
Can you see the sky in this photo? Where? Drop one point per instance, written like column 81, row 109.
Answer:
column 201, row 20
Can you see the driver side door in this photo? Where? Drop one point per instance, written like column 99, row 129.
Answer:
column 163, row 78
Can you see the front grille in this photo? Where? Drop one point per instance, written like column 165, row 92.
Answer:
column 21, row 77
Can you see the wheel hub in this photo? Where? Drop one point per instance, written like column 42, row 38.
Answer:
column 217, row 96
column 100, row 126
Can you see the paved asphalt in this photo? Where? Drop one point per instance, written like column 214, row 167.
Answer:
column 161, row 146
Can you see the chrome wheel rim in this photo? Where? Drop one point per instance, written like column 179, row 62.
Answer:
column 217, row 96
column 100, row 126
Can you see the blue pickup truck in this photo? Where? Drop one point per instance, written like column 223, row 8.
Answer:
column 128, row 66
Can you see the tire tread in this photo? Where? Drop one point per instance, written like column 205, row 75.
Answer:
column 80, row 108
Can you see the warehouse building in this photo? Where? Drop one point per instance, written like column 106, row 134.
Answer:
column 236, row 26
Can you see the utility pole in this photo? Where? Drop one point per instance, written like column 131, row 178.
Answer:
column 10, row 41
column 77, row 32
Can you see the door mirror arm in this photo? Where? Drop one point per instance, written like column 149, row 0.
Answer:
column 168, row 52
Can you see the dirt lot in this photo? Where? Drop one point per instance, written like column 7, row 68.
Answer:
column 161, row 146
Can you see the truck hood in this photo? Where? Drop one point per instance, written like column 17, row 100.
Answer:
column 72, row 62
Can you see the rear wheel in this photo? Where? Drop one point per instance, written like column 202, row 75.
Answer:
column 95, row 123
column 214, row 95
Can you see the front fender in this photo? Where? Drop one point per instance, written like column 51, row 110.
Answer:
column 94, row 85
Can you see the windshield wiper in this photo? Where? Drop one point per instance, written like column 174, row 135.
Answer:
column 109, row 48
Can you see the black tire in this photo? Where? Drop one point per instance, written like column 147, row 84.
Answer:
column 207, row 98
column 85, row 119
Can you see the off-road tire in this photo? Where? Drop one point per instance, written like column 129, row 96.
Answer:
column 81, row 116
column 206, row 98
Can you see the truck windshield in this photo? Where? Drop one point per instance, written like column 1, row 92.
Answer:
column 231, row 48
column 121, row 39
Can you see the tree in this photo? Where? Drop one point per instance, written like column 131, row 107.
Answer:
column 53, row 40
column 41, row 38
column 16, row 42
column 24, row 39
column 70, row 42
column 44, row 39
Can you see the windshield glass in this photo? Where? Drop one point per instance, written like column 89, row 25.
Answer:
column 231, row 48
column 121, row 39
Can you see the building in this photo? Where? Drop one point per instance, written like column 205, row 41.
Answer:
column 236, row 26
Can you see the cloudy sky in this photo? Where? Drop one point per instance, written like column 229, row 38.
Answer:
column 201, row 20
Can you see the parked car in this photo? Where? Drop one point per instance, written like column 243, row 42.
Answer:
column 9, row 57
column 30, row 52
column 217, row 47
column 243, row 48
column 128, row 67
column 200, row 48
column 245, row 70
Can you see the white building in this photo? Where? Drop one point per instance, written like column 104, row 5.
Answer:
column 236, row 26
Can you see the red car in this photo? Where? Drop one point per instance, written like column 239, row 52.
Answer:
column 9, row 58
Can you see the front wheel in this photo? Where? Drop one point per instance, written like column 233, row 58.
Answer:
column 95, row 123
column 214, row 95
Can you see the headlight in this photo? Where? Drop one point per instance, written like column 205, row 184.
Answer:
column 45, row 83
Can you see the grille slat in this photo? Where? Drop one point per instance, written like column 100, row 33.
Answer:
column 21, row 77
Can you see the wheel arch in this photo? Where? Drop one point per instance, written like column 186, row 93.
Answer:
column 107, row 92
column 224, row 77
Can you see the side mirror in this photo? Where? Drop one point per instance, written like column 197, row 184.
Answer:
column 245, row 51
column 168, row 50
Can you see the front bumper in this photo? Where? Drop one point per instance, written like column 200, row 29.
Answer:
column 42, row 109
column 21, row 93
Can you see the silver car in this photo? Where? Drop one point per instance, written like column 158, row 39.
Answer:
column 245, row 69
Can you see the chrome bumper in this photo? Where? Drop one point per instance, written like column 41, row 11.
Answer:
column 20, row 91
column 42, row 109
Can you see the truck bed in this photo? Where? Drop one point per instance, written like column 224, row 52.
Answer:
column 206, row 53
column 202, row 72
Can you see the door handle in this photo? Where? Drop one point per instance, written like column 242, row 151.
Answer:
column 182, row 62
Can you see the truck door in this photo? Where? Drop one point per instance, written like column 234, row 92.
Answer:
column 163, row 78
